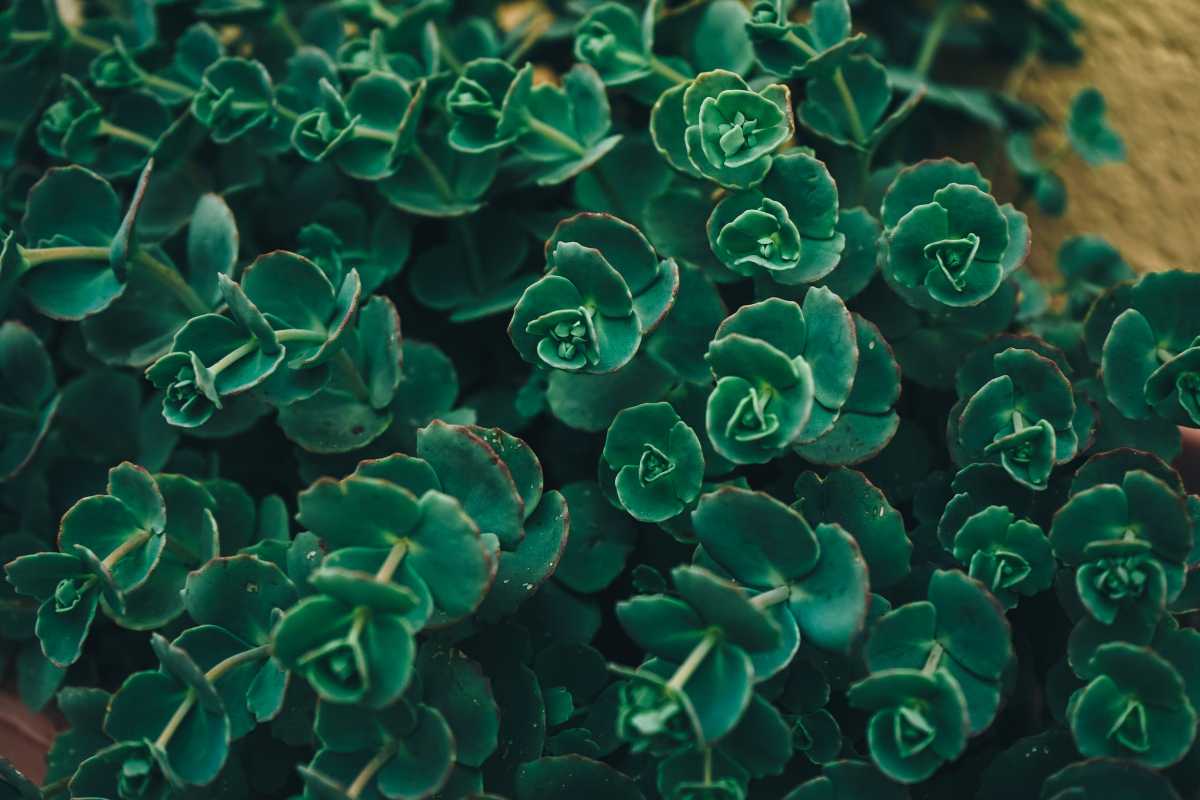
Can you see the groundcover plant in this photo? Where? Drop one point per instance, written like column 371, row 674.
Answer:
column 729, row 450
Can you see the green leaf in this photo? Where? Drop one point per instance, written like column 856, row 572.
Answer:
column 847, row 498
column 576, row 776
column 212, row 245
column 239, row 593
column 1089, row 132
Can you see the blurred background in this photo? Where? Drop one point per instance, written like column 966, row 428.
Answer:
column 1145, row 58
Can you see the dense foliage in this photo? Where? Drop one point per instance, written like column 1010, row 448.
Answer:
column 771, row 473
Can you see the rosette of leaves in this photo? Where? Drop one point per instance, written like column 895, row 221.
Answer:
column 1136, row 707
column 961, row 631
column 195, row 50
column 1024, row 418
column 849, row 104
column 1127, row 533
column 368, row 132
column 133, row 770
column 768, row 547
column 786, row 228
column 794, row 50
column 707, row 637
column 80, row 248
column 235, row 97
column 947, row 240
column 403, row 751
column 653, row 460
column 109, row 544
column 716, row 127
column 783, row 373
column 918, row 720
column 395, row 558
column 485, row 104
column 191, row 539
column 559, row 131
column 284, row 310
column 28, row 28
column 116, row 141
column 620, row 46
column 138, row 327
column 604, row 289
column 975, row 488
column 1149, row 360
column 29, row 396
column 178, row 713
column 1011, row 556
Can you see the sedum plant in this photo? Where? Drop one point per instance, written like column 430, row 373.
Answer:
column 716, row 443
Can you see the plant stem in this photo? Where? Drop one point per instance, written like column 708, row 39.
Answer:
column 88, row 41
column 176, row 720
column 656, row 65
column 771, row 597
column 694, row 660
column 40, row 255
column 300, row 335
column 435, row 174
column 808, row 49
column 373, row 766
column 233, row 356
column 553, row 135
column 946, row 11
column 56, row 788
column 667, row 71
column 125, row 548
column 390, row 564
column 852, row 115
column 933, row 659
column 23, row 37
column 363, row 132
column 126, row 135
column 236, row 660
column 150, row 79
column 189, row 700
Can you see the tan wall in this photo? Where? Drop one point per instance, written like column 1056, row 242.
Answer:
column 1144, row 55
